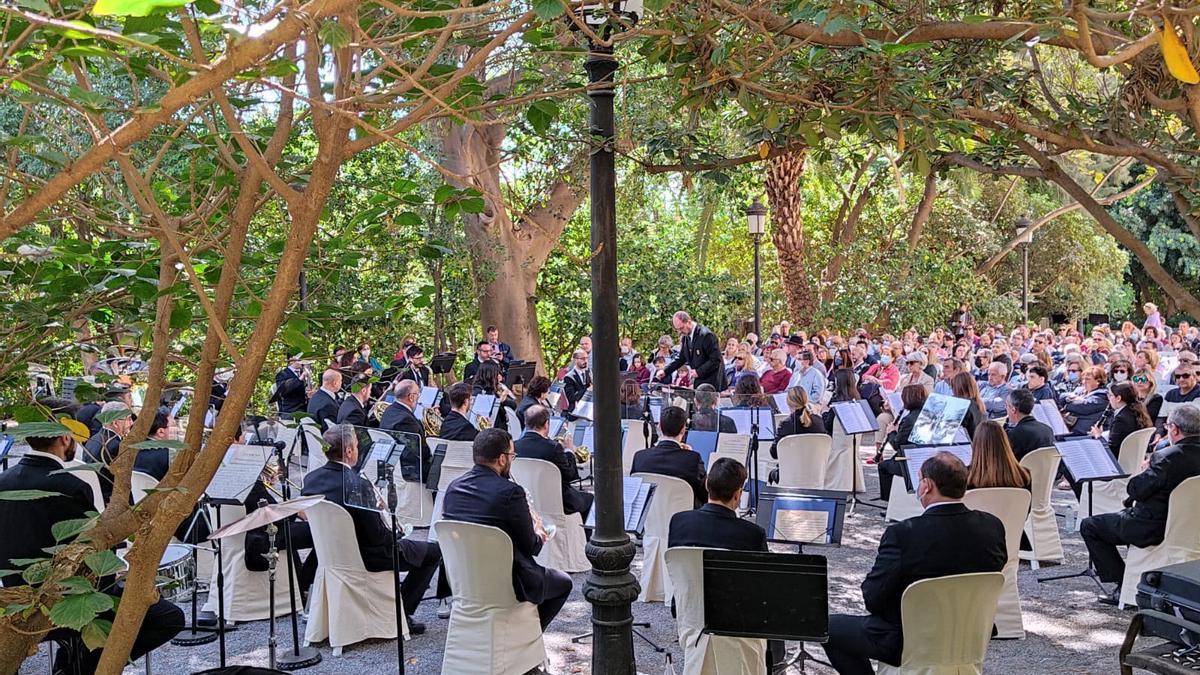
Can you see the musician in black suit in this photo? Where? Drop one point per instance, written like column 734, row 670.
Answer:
column 353, row 410
column 28, row 531
column 1144, row 521
column 87, row 412
column 485, row 495
column 400, row 417
column 419, row 558
column 103, row 447
column 257, row 543
column 155, row 461
column 699, row 350
column 716, row 525
column 706, row 417
column 323, row 406
column 455, row 425
column 414, row 368
column 1025, row 432
column 578, row 380
column 1128, row 415
column 535, row 394
column 670, row 457
column 537, row 444
column 291, row 387
column 483, row 354
column 948, row 538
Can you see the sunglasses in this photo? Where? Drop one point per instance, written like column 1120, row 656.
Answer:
column 1183, row 376
column 1120, row 370
column 1140, row 379
column 1073, row 370
column 739, row 359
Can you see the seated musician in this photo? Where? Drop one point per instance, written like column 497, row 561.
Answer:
column 948, row 538
column 706, row 417
column 536, row 443
column 800, row 421
column 578, row 380
column 630, row 399
column 415, row 368
column 913, row 397
column 535, row 394
column 1143, row 522
column 486, row 495
column 28, row 531
column 419, row 558
column 489, row 380
column 670, row 457
column 456, row 426
column 399, row 416
column 323, row 406
column 103, row 447
column 155, row 461
column 353, row 410
column 716, row 525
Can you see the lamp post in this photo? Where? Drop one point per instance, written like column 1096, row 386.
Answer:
column 1025, row 235
column 756, row 219
column 610, row 587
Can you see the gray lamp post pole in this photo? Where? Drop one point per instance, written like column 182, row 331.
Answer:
column 1026, row 235
column 756, row 217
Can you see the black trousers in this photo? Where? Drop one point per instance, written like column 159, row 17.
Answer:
column 889, row 470
column 163, row 621
column 851, row 647
column 558, row 589
column 421, row 559
column 1104, row 533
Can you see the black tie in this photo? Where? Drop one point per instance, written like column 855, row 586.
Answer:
column 687, row 348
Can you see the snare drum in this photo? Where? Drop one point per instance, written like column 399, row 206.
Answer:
column 176, row 574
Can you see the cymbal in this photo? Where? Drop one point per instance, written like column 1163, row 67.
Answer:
column 265, row 515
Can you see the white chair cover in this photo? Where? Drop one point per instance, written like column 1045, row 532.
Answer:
column 247, row 596
column 705, row 654
column 1181, row 542
column 316, row 445
column 347, row 603
column 1011, row 506
column 803, row 460
column 902, row 504
column 515, row 428
column 844, row 472
column 670, row 497
column 414, row 504
column 1109, row 496
column 139, row 483
column 490, row 632
column 635, row 439
column 947, row 624
column 92, row 479
column 1042, row 525
column 458, row 461
column 543, row 481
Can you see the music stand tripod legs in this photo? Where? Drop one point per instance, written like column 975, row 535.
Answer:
column 300, row 656
column 1090, row 570
column 636, row 625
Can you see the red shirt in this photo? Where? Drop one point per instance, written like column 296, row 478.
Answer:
column 776, row 381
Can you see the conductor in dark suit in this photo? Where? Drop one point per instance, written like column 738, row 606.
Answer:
column 28, row 531
column 323, row 406
column 456, row 426
column 948, row 538
column 699, row 350
column 353, row 410
column 537, row 444
column 716, row 525
column 419, row 558
column 400, row 417
column 1143, row 522
column 1025, row 432
column 670, row 457
column 485, row 495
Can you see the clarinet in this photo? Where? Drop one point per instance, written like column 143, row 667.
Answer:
column 1105, row 418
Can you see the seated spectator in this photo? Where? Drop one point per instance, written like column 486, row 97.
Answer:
column 1147, row 389
column 1083, row 407
column 994, row 391
column 1037, row 382
column 915, row 373
column 776, row 379
column 1185, row 381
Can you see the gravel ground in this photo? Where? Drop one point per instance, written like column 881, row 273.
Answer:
column 1066, row 630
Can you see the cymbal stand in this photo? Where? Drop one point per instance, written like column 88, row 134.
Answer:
column 300, row 656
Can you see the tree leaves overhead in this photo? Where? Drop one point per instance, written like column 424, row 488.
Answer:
column 133, row 7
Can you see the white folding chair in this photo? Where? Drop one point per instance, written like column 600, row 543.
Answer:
column 803, row 460
column 703, row 653
column 635, row 439
column 139, row 484
column 844, row 471
column 347, row 603
column 670, row 497
column 1011, row 506
column 947, row 623
column 543, row 481
column 515, row 428
column 414, row 504
column 1041, row 527
column 1109, row 496
column 458, row 460
column 902, row 504
column 490, row 632
column 91, row 478
column 1181, row 542
column 247, row 596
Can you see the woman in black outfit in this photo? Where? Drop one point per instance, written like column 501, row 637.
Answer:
column 489, row 379
column 801, row 421
column 631, row 399
column 1147, row 389
column 845, row 388
column 913, row 397
column 1128, row 416
column 535, row 394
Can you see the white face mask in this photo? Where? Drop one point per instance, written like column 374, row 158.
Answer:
column 366, row 353
column 1120, row 377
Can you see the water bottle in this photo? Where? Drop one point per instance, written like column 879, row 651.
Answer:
column 1072, row 518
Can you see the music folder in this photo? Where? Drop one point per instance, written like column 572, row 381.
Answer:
column 776, row 596
column 636, row 496
column 915, row 456
column 703, row 442
column 855, row 416
column 802, row 516
column 520, row 373
column 1089, row 459
column 895, row 402
column 429, row 397
column 1047, row 412
column 556, row 425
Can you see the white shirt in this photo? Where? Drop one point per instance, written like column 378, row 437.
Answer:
column 937, row 504
column 36, row 453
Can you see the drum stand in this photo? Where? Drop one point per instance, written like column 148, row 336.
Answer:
column 194, row 635
column 272, row 562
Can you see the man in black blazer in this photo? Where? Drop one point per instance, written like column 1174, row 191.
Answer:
column 323, row 406
column 353, row 410
column 485, row 495
column 155, row 461
column 670, row 457
column 706, row 416
column 699, row 350
column 414, row 368
column 28, row 530
column 103, row 448
column 537, row 444
column 455, row 425
column 947, row 539
column 291, row 387
column 1025, row 432
column 578, row 380
column 1144, row 521
column 419, row 558
column 399, row 416
column 716, row 525
column 483, row 354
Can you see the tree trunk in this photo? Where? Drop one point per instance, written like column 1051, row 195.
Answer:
column 786, row 200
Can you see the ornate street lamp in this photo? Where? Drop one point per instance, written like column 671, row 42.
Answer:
column 756, row 225
column 1025, row 236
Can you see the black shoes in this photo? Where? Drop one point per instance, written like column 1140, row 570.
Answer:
column 415, row 627
column 1112, row 599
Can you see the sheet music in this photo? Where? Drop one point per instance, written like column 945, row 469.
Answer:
column 895, row 401
column 429, row 397
column 918, row 454
column 380, row 451
column 583, row 410
column 183, row 398
column 636, row 495
column 1169, row 407
column 855, row 416
column 781, row 403
column 656, row 407
column 743, row 419
column 1089, row 459
column 1048, row 413
column 484, row 405
column 556, row 426
column 802, row 526
column 237, row 473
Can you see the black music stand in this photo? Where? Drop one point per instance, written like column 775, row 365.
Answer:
column 802, row 516
column 856, row 419
column 520, row 373
column 915, row 456
column 442, row 364
column 773, row 596
column 1087, row 460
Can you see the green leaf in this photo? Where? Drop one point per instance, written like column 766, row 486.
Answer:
column 35, row 5
column 27, row 413
column 65, row 530
column 104, row 563
column 281, row 68
column 39, row 430
column 335, row 34
column 181, row 316
column 26, row 495
column 443, row 194
column 896, row 49
column 96, row 633
column 133, row 7
column 541, row 114
column 77, row 585
column 113, row 415
column 77, row 611
column 548, row 10
column 87, row 50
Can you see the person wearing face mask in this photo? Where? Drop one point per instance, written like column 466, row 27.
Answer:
column 883, row 373
column 486, row 495
column 365, row 358
column 1120, row 371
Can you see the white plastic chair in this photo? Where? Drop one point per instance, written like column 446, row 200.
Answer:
column 902, row 504
column 670, row 497
column 91, row 478
column 635, row 439
column 1011, row 506
column 543, row 481
column 1109, row 496
column 844, row 471
column 458, row 460
column 414, row 504
column 139, row 484
column 947, row 624
column 1041, row 527
column 347, row 603
column 490, row 632
column 705, row 654
column 515, row 428
column 1181, row 542
column 803, row 460
column 247, row 596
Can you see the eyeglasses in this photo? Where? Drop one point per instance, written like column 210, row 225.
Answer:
column 1140, row 379
column 1073, row 370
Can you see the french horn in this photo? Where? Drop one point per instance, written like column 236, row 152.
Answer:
column 582, row 454
column 432, row 419
column 483, row 422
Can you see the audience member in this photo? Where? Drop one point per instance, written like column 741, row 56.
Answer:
column 1025, row 432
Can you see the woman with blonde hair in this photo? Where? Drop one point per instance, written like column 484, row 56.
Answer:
column 801, row 421
column 993, row 464
column 1147, row 389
